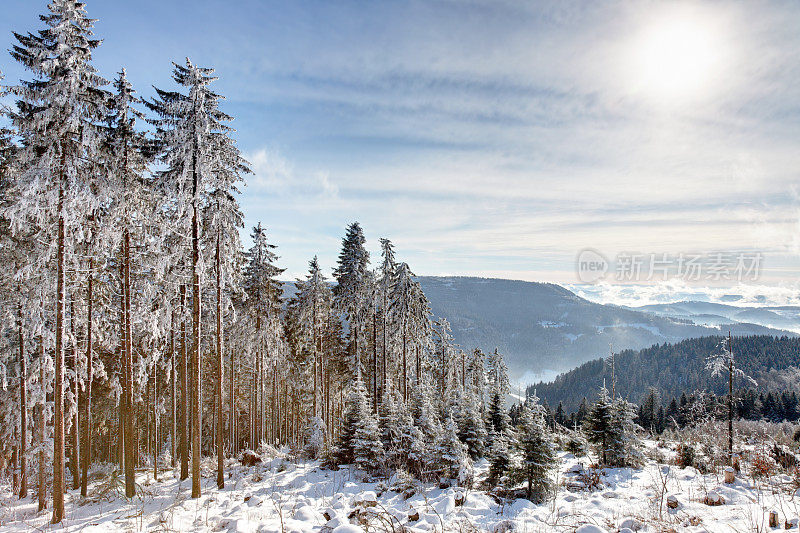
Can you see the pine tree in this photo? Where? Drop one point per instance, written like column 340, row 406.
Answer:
column 309, row 309
column 471, row 428
column 129, row 212
column 538, row 456
column 353, row 288
column 409, row 309
column 359, row 441
column 451, row 451
column 192, row 135
column 263, row 309
column 224, row 218
column 386, row 280
column 500, row 456
column 56, row 118
column 601, row 428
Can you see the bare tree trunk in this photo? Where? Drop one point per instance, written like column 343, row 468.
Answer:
column 155, row 421
column 220, row 416
column 233, row 426
column 375, row 362
column 15, row 461
column 74, row 455
column 40, row 422
column 87, row 394
column 173, row 434
column 316, row 352
column 23, row 406
column 127, row 387
column 58, row 397
column 196, row 422
column 730, row 400
column 405, row 366
column 184, row 410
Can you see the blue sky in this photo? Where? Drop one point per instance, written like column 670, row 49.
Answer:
column 492, row 138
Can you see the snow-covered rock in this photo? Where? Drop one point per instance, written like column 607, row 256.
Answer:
column 590, row 528
column 631, row 524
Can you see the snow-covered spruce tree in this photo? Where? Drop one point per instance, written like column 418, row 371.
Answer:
column 627, row 450
column 426, row 419
column 316, row 436
column 309, row 309
column 536, row 450
column 190, row 128
column 446, row 367
column 121, row 225
column 262, row 307
column 387, row 275
column 724, row 363
column 501, row 457
column 410, row 310
column 601, row 427
column 471, row 427
column 390, row 422
column 353, row 289
column 451, row 452
column 359, row 442
column 56, row 117
column 610, row 428
column 223, row 219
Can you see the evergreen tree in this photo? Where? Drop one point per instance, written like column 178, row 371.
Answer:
column 56, row 118
column 471, row 428
column 359, row 441
column 451, row 451
column 601, row 427
column 538, row 456
column 353, row 288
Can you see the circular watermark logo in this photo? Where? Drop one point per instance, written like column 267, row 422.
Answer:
column 591, row 266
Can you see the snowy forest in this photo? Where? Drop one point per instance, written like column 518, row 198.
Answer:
column 145, row 344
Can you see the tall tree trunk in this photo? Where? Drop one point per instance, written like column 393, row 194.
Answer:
column 220, row 411
column 375, row 361
column 23, row 409
column 173, row 420
column 41, row 489
column 405, row 366
column 232, row 425
column 127, row 389
column 74, row 455
column 316, row 351
column 730, row 400
column 86, row 449
column 58, row 396
column 196, row 422
column 184, row 410
column 154, row 379
column 15, row 460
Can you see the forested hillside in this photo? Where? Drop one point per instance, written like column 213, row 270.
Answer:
column 543, row 326
column 675, row 368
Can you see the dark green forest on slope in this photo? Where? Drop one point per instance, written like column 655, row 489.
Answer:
column 675, row 368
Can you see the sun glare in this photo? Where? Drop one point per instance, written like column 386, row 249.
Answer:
column 676, row 58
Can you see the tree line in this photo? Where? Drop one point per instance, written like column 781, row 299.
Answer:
column 672, row 369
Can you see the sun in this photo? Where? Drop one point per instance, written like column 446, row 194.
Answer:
column 676, row 57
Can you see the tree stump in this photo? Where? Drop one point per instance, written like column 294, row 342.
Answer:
column 773, row 519
column 730, row 475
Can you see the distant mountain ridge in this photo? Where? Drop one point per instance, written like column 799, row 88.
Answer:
column 543, row 326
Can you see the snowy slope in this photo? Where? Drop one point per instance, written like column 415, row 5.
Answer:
column 279, row 495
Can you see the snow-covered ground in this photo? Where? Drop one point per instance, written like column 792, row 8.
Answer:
column 281, row 495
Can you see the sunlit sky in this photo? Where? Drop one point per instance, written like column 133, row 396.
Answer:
column 492, row 138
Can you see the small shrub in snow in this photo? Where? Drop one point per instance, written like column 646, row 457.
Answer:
column 686, row 455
